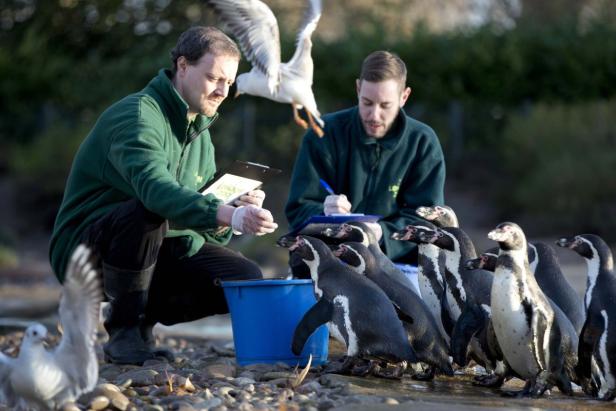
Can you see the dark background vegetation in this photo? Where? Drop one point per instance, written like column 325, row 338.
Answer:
column 523, row 98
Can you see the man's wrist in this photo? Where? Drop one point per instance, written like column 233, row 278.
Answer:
column 224, row 215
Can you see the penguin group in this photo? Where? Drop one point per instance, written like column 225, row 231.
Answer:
column 509, row 309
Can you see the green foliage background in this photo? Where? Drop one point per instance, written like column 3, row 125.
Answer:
column 526, row 114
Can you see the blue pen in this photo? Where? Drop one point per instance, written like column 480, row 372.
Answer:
column 327, row 187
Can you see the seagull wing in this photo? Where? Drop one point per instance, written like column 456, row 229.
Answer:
column 301, row 62
column 255, row 27
column 7, row 395
column 79, row 311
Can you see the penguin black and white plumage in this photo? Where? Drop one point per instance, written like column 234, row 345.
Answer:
column 423, row 332
column 357, row 311
column 361, row 233
column 297, row 268
column 597, row 345
column 430, row 270
column 536, row 338
column 462, row 286
column 441, row 216
column 544, row 265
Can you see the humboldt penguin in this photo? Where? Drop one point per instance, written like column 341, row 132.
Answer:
column 463, row 287
column 597, row 349
column 361, row 233
column 535, row 336
column 430, row 270
column 544, row 265
column 423, row 332
column 441, row 216
column 357, row 311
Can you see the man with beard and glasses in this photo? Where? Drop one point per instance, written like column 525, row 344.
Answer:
column 376, row 158
column 132, row 195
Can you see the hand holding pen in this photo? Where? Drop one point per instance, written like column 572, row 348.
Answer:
column 334, row 203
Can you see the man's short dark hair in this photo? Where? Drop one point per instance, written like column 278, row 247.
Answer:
column 381, row 66
column 195, row 42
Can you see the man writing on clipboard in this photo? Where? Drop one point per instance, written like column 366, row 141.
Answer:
column 374, row 158
column 132, row 197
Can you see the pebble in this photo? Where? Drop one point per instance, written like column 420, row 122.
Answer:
column 99, row 403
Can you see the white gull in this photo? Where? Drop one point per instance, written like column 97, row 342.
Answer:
column 255, row 27
column 39, row 378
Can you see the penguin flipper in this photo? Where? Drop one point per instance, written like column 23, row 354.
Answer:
column 404, row 317
column 472, row 320
column 317, row 315
column 539, row 331
column 446, row 319
column 583, row 370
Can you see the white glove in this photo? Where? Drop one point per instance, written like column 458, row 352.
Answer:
column 376, row 229
column 252, row 220
column 336, row 204
column 254, row 197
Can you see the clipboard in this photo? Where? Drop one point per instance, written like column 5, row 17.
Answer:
column 240, row 178
column 317, row 223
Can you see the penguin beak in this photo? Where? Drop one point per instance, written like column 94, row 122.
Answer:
column 472, row 264
column 566, row 242
column 497, row 235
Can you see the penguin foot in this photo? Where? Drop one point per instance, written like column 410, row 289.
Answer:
column 395, row 374
column 364, row 369
column 343, row 368
column 525, row 392
column 489, row 381
column 427, row 375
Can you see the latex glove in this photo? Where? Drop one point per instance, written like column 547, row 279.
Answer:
column 336, row 204
column 254, row 197
column 252, row 220
column 376, row 229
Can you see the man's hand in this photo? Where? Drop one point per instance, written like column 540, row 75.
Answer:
column 336, row 204
column 254, row 197
column 251, row 219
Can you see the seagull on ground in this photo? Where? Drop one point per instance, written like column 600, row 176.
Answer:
column 255, row 27
column 44, row 379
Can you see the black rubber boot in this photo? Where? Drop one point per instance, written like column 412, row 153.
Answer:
column 150, row 342
column 127, row 291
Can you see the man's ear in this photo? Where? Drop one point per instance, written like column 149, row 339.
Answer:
column 181, row 64
column 405, row 95
column 357, row 86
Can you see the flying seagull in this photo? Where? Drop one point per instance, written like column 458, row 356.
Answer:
column 45, row 379
column 255, row 27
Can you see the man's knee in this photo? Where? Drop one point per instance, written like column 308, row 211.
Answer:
column 246, row 269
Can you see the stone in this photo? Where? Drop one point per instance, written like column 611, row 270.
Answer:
column 99, row 403
column 139, row 377
column 208, row 404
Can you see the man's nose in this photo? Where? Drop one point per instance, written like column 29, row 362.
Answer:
column 222, row 90
column 373, row 113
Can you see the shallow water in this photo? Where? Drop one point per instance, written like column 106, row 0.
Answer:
column 457, row 392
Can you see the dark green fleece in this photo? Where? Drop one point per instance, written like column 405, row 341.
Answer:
column 143, row 147
column 391, row 176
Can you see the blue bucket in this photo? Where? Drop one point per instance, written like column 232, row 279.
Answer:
column 264, row 314
column 410, row 271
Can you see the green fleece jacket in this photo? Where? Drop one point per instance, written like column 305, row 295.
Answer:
column 143, row 147
column 391, row 176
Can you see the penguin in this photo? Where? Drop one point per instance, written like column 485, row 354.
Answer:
column 597, row 344
column 462, row 286
column 357, row 311
column 545, row 266
column 441, row 216
column 536, row 338
column 423, row 332
column 430, row 271
column 360, row 232
column 297, row 268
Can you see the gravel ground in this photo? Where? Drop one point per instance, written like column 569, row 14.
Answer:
column 205, row 376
